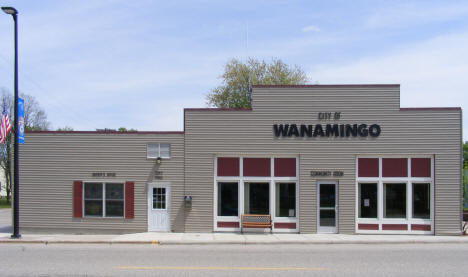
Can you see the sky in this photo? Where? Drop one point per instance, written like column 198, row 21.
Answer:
column 137, row 64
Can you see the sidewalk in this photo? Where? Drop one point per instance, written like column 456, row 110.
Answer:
column 231, row 238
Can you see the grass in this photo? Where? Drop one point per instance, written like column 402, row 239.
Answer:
column 4, row 204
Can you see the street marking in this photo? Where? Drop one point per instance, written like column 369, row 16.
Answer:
column 155, row 242
column 222, row 268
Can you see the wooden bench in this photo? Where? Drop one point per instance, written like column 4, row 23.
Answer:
column 256, row 221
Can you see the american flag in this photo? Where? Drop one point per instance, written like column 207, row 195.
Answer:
column 5, row 126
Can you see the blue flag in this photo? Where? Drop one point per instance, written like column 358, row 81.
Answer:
column 21, row 120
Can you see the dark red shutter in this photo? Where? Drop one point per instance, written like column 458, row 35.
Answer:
column 368, row 167
column 394, row 167
column 228, row 167
column 77, row 199
column 420, row 167
column 257, row 167
column 129, row 199
column 285, row 167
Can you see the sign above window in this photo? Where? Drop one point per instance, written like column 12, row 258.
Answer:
column 158, row 150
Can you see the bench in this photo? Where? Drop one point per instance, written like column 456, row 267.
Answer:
column 256, row 221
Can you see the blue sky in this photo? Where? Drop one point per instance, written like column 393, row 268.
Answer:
column 98, row 64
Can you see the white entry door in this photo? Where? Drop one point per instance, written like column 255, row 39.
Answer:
column 327, row 207
column 159, row 196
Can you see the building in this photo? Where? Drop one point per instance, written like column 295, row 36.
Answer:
column 317, row 158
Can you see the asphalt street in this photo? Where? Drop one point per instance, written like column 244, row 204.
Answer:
column 233, row 260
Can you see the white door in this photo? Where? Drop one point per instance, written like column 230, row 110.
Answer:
column 159, row 196
column 327, row 207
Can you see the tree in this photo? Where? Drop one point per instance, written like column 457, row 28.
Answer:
column 123, row 129
column 465, row 170
column 66, row 128
column 465, row 154
column 234, row 90
column 35, row 118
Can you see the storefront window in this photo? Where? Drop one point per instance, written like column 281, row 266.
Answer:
column 421, row 201
column 100, row 197
column 93, row 199
column 367, row 200
column 228, row 199
column 394, row 200
column 114, row 199
column 257, row 198
column 285, row 199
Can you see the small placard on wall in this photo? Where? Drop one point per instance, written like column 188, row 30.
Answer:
column 291, row 212
column 366, row 202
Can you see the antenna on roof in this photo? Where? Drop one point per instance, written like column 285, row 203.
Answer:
column 249, row 85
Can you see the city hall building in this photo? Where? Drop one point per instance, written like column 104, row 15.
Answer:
column 315, row 158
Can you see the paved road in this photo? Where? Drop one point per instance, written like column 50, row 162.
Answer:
column 5, row 221
column 234, row 260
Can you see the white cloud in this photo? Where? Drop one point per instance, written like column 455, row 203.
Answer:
column 431, row 73
column 311, row 28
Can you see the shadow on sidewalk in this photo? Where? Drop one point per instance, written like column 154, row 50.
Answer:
column 5, row 221
column 6, row 229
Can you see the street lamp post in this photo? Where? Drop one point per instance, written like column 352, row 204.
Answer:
column 13, row 12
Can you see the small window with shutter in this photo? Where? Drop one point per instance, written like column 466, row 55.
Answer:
column 158, row 150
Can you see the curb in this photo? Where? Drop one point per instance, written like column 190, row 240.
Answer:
column 156, row 242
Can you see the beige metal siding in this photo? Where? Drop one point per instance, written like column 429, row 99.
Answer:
column 209, row 133
column 50, row 162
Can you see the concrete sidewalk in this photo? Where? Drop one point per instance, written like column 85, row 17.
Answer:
column 231, row 238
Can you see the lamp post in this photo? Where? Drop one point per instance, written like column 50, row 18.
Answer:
column 13, row 12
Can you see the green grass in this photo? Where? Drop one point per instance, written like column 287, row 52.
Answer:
column 4, row 204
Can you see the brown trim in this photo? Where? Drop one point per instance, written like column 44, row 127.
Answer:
column 420, row 227
column 285, row 225
column 363, row 226
column 226, row 224
column 432, row 109
column 328, row 86
column 395, row 227
column 110, row 132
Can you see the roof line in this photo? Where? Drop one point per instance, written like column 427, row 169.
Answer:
column 217, row 109
column 110, row 132
column 325, row 86
column 431, row 109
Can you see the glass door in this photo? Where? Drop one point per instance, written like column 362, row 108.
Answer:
column 327, row 207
